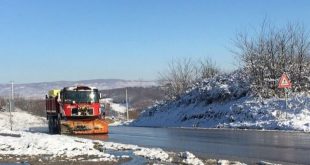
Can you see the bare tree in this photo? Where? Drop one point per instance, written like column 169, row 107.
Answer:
column 207, row 68
column 36, row 107
column 272, row 51
column 183, row 73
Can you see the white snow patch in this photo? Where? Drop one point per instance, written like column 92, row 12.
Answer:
column 114, row 106
column 227, row 162
column 22, row 121
column 35, row 143
column 43, row 144
column 153, row 154
column 189, row 158
column 120, row 122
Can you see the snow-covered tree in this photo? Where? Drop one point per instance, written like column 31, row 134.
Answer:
column 272, row 51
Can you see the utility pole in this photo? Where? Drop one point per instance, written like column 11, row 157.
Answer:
column 127, row 105
column 11, row 104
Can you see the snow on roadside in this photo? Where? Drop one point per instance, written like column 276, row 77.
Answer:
column 189, row 158
column 22, row 121
column 114, row 106
column 29, row 138
column 225, row 102
column 120, row 122
column 117, row 113
column 32, row 143
column 36, row 144
column 43, row 144
column 244, row 113
column 153, row 154
column 149, row 153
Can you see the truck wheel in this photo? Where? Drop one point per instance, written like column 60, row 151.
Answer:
column 57, row 125
column 53, row 125
column 50, row 125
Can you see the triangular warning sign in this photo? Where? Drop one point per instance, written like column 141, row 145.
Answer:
column 284, row 82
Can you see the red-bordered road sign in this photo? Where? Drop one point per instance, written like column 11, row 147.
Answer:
column 284, row 82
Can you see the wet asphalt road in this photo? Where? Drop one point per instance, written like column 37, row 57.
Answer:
column 243, row 145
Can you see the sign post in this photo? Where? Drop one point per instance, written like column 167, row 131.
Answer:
column 127, row 114
column 285, row 83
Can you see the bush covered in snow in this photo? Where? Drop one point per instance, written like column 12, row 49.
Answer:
column 218, row 89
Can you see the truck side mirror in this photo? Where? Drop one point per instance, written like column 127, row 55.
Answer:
column 100, row 96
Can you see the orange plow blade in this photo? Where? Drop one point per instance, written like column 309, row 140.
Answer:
column 96, row 126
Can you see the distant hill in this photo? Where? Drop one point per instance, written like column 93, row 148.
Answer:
column 39, row 90
column 139, row 98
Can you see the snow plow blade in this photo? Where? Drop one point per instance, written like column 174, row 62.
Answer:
column 84, row 127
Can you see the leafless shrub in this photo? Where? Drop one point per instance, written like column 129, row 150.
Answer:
column 271, row 52
column 207, row 68
column 183, row 73
column 3, row 102
column 35, row 107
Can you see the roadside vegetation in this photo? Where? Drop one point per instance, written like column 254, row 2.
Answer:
column 263, row 55
column 271, row 51
column 32, row 106
column 182, row 73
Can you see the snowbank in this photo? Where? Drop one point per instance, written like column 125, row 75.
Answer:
column 28, row 139
column 189, row 158
column 54, row 145
column 33, row 140
column 121, row 123
column 22, row 121
column 224, row 101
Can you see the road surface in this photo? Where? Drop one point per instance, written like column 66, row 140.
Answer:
column 243, row 145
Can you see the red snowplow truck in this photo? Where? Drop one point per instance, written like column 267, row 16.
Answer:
column 75, row 110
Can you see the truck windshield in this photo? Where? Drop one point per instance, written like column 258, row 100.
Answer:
column 81, row 96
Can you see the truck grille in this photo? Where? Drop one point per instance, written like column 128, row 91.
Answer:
column 82, row 112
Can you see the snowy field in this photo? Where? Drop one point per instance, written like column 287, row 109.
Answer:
column 120, row 108
column 225, row 102
column 29, row 141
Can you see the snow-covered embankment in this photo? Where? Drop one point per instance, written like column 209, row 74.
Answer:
column 226, row 102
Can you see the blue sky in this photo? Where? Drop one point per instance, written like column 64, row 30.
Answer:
column 126, row 39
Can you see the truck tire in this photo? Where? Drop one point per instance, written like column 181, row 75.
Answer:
column 57, row 125
column 49, row 125
column 53, row 125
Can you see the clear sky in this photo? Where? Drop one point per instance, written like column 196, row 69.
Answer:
column 54, row 40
